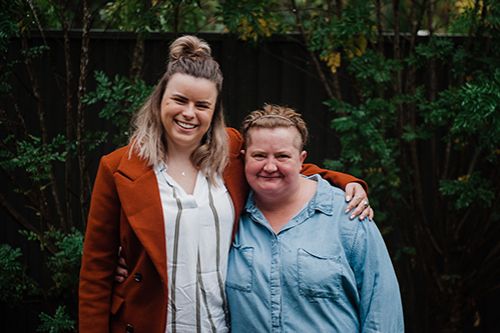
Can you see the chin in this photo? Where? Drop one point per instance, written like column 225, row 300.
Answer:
column 268, row 188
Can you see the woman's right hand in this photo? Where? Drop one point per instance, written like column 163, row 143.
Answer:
column 121, row 272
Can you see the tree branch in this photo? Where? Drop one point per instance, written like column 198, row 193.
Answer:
column 43, row 129
column 312, row 55
column 137, row 58
column 17, row 217
column 70, row 132
column 80, row 128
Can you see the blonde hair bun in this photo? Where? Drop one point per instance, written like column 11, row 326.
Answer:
column 189, row 46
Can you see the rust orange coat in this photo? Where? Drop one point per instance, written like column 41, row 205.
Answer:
column 126, row 210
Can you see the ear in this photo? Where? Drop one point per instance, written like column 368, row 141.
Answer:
column 302, row 156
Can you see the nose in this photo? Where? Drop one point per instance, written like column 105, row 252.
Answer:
column 270, row 166
column 188, row 111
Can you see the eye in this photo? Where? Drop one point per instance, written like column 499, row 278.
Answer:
column 258, row 156
column 179, row 100
column 282, row 157
column 203, row 106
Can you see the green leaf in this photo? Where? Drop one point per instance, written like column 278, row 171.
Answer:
column 36, row 158
column 468, row 190
column 60, row 322
column 14, row 282
column 121, row 97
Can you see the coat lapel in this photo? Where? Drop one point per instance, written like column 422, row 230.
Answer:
column 138, row 190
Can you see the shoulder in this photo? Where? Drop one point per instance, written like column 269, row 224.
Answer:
column 118, row 153
column 234, row 135
column 356, row 236
column 113, row 159
column 235, row 140
column 338, row 193
column 329, row 194
column 360, row 238
column 331, row 200
column 126, row 161
column 350, row 231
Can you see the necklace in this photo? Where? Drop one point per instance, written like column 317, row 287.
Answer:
column 183, row 174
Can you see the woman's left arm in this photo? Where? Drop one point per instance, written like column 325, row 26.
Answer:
column 380, row 308
column 355, row 190
column 99, row 253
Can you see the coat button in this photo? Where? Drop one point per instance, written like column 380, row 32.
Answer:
column 137, row 277
column 129, row 329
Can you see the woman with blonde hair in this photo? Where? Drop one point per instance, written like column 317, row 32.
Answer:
column 171, row 199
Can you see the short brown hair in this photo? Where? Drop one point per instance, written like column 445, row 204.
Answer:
column 272, row 116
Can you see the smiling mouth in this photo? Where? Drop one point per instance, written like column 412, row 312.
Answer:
column 185, row 125
column 270, row 177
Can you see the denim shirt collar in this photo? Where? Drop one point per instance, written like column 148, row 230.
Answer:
column 322, row 201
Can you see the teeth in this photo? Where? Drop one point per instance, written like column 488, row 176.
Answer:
column 186, row 125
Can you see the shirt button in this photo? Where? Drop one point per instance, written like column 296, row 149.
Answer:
column 137, row 277
column 129, row 328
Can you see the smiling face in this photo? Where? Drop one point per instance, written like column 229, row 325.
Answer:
column 273, row 161
column 187, row 108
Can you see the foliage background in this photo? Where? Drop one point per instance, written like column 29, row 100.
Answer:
column 410, row 90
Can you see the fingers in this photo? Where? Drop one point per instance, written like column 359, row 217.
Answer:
column 367, row 212
column 122, row 263
column 354, row 203
column 121, row 272
column 357, row 199
column 358, row 209
column 119, row 278
column 354, row 194
column 349, row 191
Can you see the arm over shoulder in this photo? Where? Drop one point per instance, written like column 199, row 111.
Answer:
column 335, row 178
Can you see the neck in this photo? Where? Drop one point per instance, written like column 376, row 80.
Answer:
column 275, row 202
column 279, row 210
column 179, row 153
column 296, row 197
column 181, row 168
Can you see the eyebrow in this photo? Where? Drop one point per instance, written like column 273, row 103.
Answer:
column 178, row 95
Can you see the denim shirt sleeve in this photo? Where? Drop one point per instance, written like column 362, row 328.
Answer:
column 380, row 308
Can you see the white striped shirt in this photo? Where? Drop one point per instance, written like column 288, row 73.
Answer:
column 198, row 230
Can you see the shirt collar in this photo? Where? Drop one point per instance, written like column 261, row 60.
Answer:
column 322, row 200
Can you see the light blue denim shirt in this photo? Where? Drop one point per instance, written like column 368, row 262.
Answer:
column 321, row 273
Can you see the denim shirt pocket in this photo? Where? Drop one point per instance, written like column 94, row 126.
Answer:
column 319, row 276
column 240, row 268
